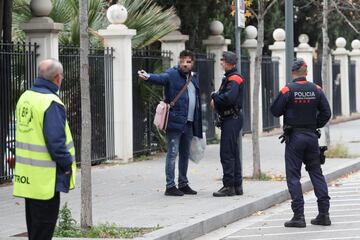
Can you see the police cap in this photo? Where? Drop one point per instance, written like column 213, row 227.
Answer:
column 298, row 63
column 229, row 57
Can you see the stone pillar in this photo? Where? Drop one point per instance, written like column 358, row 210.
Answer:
column 174, row 42
column 342, row 55
column 43, row 30
column 250, row 45
column 278, row 51
column 118, row 36
column 355, row 56
column 217, row 44
column 305, row 52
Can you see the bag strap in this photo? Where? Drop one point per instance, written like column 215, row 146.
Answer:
column 172, row 103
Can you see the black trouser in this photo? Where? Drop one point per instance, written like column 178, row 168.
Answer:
column 303, row 147
column 41, row 217
column 229, row 150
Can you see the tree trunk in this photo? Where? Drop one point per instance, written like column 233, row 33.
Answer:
column 86, row 193
column 7, row 20
column 325, row 63
column 1, row 18
column 256, row 92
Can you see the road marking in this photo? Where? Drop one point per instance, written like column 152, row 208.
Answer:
column 334, row 192
column 281, row 226
column 345, row 200
column 354, row 237
column 331, row 216
column 294, row 233
column 344, row 196
column 337, row 205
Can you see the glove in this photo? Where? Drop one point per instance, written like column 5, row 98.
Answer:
column 284, row 138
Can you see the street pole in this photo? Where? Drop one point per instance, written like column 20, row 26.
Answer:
column 238, row 66
column 289, row 29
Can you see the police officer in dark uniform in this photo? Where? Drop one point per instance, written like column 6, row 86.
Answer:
column 228, row 103
column 305, row 109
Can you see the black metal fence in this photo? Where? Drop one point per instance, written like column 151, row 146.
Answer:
column 17, row 71
column 317, row 73
column 352, row 87
column 336, row 84
column 270, row 89
column 336, row 88
column 245, row 72
column 204, row 67
column 101, row 95
column 146, row 138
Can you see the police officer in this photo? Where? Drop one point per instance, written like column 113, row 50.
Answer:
column 227, row 102
column 305, row 108
column 45, row 164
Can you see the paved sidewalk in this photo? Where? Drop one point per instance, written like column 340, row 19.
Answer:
column 133, row 194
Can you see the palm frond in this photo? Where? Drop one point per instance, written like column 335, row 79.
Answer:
column 150, row 20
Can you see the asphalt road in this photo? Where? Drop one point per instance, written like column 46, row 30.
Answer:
column 268, row 225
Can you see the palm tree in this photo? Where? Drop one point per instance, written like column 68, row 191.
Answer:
column 150, row 20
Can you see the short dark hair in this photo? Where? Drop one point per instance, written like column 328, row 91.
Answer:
column 187, row 53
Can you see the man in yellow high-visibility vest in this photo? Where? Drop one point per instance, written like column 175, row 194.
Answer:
column 45, row 153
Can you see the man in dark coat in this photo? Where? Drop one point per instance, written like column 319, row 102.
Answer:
column 184, row 119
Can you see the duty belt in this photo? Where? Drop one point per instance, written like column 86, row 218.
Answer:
column 304, row 129
column 229, row 112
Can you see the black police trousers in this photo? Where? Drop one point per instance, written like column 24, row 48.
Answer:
column 303, row 147
column 229, row 150
column 41, row 217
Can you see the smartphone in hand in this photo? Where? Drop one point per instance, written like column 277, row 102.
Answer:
column 143, row 73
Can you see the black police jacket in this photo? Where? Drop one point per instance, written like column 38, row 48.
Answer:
column 303, row 105
column 229, row 98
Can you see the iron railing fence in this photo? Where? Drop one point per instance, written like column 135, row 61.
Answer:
column 352, row 86
column 146, row 138
column 204, row 67
column 101, row 97
column 246, row 109
column 270, row 89
column 17, row 70
column 336, row 96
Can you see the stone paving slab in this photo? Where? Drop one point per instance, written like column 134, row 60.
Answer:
column 131, row 195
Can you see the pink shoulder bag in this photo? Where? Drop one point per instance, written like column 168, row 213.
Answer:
column 163, row 108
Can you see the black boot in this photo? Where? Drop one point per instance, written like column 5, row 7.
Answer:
column 187, row 190
column 297, row 221
column 239, row 190
column 321, row 219
column 224, row 192
column 173, row 191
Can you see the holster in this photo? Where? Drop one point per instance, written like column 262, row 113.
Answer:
column 322, row 154
column 218, row 120
column 287, row 130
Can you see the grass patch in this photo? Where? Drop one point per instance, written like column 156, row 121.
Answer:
column 338, row 151
column 267, row 177
column 142, row 158
column 68, row 227
column 213, row 141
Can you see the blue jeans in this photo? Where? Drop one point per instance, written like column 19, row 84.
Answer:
column 178, row 142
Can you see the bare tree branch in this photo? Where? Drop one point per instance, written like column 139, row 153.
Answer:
column 253, row 13
column 269, row 6
column 344, row 17
column 309, row 3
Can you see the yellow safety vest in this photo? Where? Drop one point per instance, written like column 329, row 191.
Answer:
column 35, row 171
